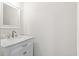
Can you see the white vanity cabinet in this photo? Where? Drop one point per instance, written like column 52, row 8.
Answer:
column 24, row 48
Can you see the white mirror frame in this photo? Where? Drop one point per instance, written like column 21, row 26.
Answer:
column 12, row 26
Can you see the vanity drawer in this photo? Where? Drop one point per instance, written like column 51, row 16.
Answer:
column 22, row 52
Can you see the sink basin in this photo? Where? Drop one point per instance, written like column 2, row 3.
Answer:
column 9, row 42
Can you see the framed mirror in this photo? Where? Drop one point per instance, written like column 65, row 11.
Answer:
column 11, row 15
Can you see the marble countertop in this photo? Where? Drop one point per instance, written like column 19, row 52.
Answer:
column 11, row 41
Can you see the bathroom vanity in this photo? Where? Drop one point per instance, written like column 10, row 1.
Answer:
column 20, row 46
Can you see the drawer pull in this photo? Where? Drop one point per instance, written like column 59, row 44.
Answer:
column 24, row 45
column 24, row 52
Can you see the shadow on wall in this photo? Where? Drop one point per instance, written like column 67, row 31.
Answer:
column 36, row 48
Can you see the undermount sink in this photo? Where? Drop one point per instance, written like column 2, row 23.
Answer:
column 12, row 41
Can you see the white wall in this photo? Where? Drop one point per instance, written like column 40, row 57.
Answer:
column 54, row 27
column 1, row 14
column 78, row 28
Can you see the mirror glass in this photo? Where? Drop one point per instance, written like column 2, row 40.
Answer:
column 11, row 15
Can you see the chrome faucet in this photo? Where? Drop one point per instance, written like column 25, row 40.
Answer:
column 13, row 34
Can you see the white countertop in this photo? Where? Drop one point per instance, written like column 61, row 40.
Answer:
column 9, row 42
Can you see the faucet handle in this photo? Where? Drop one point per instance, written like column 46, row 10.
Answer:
column 13, row 34
column 14, row 31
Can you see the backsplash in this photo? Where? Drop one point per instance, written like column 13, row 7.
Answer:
column 5, row 32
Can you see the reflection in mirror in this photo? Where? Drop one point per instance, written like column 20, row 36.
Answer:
column 11, row 15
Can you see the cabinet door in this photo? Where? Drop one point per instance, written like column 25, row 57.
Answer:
column 24, row 50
